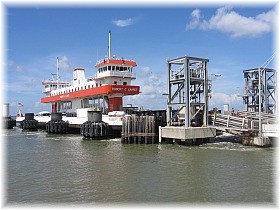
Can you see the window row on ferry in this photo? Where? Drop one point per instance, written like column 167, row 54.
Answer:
column 72, row 90
column 115, row 68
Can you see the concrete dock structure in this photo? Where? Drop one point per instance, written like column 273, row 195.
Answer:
column 186, row 135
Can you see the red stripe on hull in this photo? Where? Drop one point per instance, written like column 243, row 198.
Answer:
column 96, row 91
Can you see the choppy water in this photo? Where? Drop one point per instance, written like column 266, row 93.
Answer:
column 56, row 169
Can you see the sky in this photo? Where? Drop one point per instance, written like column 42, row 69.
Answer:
column 233, row 38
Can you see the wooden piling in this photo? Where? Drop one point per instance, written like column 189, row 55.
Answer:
column 141, row 129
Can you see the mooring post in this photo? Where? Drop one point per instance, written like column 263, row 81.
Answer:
column 159, row 134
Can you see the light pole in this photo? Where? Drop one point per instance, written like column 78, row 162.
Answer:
column 167, row 116
column 166, row 95
column 211, row 76
column 239, row 92
column 211, row 85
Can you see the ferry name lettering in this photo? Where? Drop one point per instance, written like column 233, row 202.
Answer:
column 117, row 89
column 132, row 89
column 124, row 89
column 64, row 96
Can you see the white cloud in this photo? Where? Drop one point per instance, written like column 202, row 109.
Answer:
column 24, row 85
column 145, row 70
column 219, row 99
column 195, row 21
column 64, row 63
column 227, row 21
column 12, row 66
column 152, row 86
column 124, row 23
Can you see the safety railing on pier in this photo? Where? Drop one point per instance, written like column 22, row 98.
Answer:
column 242, row 120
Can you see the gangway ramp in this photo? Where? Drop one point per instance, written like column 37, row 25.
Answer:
column 244, row 121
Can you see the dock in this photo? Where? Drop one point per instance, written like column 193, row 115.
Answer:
column 186, row 135
column 247, row 125
column 187, row 102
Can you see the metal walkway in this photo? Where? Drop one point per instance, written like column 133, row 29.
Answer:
column 241, row 122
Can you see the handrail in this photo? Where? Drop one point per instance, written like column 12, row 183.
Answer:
column 115, row 73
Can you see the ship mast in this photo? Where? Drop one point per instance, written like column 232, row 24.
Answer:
column 109, row 45
column 57, row 69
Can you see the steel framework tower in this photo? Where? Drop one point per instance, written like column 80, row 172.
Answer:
column 187, row 91
column 260, row 85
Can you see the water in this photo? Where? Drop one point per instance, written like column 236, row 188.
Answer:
column 56, row 169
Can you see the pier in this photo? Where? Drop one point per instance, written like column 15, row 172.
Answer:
column 187, row 102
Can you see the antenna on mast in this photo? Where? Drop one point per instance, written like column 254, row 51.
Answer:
column 57, row 69
column 109, row 45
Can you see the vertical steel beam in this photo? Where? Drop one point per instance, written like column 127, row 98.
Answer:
column 206, row 98
column 187, row 92
column 260, row 104
column 265, row 92
column 275, row 94
column 169, row 108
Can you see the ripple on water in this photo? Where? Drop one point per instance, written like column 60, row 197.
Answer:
column 229, row 146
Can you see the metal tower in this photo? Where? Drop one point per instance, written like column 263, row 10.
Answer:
column 260, row 85
column 187, row 91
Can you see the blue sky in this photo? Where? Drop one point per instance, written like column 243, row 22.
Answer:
column 233, row 38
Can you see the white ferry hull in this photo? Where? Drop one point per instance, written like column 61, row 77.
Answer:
column 115, row 121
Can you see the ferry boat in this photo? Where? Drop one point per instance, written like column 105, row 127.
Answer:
column 103, row 91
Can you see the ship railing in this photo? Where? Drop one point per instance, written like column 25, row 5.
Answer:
column 49, row 89
column 114, row 58
column 116, row 74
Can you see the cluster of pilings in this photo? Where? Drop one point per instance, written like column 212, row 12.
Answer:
column 142, row 129
column 29, row 123
column 56, row 124
column 94, row 127
column 8, row 122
